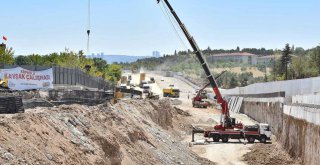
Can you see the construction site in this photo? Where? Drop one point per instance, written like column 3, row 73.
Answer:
column 93, row 115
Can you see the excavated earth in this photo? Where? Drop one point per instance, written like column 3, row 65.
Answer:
column 269, row 154
column 129, row 132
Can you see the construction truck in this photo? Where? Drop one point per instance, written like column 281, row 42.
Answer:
column 142, row 80
column 142, row 77
column 146, row 88
column 227, row 124
column 142, row 83
column 171, row 92
column 251, row 133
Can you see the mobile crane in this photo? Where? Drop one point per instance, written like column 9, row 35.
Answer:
column 226, row 121
column 228, row 128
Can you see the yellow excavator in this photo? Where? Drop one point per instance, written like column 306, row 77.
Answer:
column 3, row 82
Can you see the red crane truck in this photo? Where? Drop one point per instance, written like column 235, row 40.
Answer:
column 228, row 127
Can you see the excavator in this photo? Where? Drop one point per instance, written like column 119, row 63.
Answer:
column 197, row 101
column 3, row 82
column 227, row 128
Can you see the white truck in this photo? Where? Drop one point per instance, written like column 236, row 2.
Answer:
column 146, row 88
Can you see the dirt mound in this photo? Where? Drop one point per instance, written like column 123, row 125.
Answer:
column 176, row 102
column 130, row 132
column 268, row 154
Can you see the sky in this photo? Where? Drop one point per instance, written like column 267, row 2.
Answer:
column 138, row 27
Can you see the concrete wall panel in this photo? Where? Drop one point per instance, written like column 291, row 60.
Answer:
column 296, row 127
column 291, row 87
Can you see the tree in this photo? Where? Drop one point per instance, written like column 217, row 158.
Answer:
column 233, row 82
column 286, row 59
column 101, row 67
column 299, row 51
column 6, row 56
column 238, row 49
column 244, row 78
column 36, row 59
column 315, row 58
column 22, row 60
column 114, row 73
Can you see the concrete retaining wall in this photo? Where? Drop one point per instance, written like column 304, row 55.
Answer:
column 301, row 139
column 308, row 114
column 306, row 99
column 265, row 110
column 296, row 127
column 291, row 87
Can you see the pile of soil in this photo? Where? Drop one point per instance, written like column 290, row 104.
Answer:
column 269, row 154
column 129, row 132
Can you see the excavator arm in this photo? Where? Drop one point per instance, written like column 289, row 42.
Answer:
column 197, row 97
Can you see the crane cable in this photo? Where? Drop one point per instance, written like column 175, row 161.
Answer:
column 172, row 22
column 88, row 29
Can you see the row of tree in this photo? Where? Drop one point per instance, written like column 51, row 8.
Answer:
column 209, row 51
column 297, row 63
column 95, row 67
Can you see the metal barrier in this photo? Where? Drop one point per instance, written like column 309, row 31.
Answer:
column 70, row 76
column 11, row 104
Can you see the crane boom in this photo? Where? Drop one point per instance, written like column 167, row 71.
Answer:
column 198, row 52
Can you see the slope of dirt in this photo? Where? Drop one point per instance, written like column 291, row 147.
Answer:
column 269, row 154
column 130, row 132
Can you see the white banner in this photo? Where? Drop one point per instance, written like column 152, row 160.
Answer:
column 23, row 79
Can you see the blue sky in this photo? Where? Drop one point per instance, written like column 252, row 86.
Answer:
column 137, row 27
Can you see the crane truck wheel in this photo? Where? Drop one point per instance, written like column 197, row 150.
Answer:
column 251, row 139
column 216, row 138
column 263, row 139
column 225, row 139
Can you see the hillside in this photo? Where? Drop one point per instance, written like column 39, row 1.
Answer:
column 120, row 58
column 130, row 132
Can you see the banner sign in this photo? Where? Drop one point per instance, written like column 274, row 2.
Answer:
column 23, row 79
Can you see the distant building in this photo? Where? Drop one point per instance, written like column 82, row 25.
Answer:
column 265, row 59
column 156, row 54
column 245, row 58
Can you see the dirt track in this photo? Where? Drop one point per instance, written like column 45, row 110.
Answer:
column 220, row 153
column 231, row 153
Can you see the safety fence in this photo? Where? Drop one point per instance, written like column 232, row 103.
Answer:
column 69, row 76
